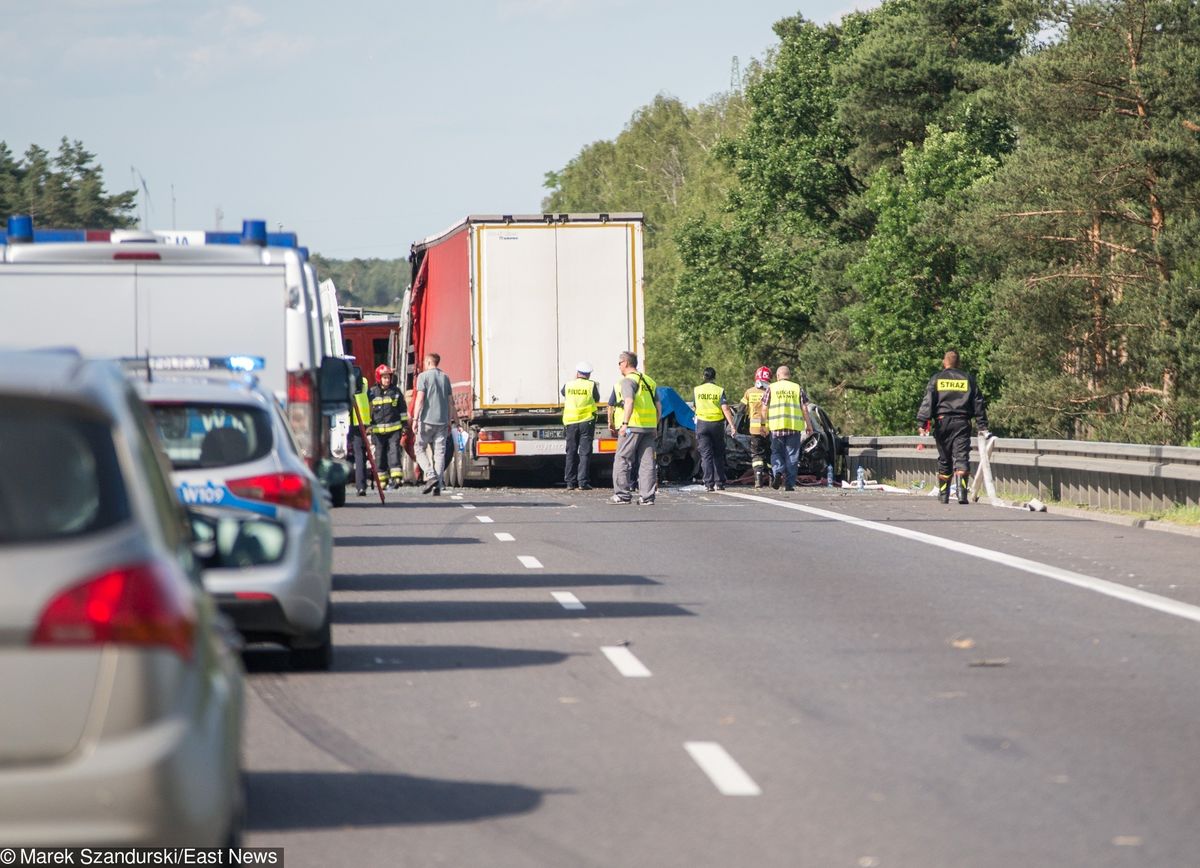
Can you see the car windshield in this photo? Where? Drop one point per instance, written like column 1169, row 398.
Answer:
column 59, row 475
column 211, row 435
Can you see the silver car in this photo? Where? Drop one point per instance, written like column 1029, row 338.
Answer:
column 231, row 451
column 122, row 708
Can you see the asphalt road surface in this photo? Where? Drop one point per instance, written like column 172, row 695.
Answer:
column 824, row 678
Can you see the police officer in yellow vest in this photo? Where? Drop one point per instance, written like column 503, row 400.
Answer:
column 580, row 397
column 785, row 419
column 354, row 438
column 635, row 440
column 712, row 415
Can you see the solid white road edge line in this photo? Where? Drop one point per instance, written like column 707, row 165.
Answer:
column 567, row 600
column 622, row 658
column 530, row 562
column 504, row 537
column 483, row 519
column 1079, row 580
column 721, row 769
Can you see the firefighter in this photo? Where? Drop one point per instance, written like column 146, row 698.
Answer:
column 388, row 415
column 760, row 443
column 785, row 419
column 580, row 397
column 951, row 401
column 354, row 438
column 712, row 410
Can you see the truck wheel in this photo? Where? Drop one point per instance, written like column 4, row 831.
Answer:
column 338, row 493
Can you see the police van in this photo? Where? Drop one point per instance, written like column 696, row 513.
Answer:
column 125, row 293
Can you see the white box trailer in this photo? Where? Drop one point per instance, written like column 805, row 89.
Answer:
column 513, row 303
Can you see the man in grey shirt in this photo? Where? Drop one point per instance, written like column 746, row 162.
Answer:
column 433, row 413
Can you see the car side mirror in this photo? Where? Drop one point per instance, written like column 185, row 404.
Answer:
column 233, row 542
column 336, row 384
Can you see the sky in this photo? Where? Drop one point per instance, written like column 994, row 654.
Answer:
column 362, row 125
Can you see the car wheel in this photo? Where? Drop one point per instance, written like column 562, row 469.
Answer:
column 317, row 657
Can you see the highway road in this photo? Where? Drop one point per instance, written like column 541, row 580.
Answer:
column 825, row 678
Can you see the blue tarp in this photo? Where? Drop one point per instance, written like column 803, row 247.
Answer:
column 673, row 404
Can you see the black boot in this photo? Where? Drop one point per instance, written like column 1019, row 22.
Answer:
column 962, row 489
column 943, row 488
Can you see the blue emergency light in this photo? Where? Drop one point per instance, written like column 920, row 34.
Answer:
column 254, row 232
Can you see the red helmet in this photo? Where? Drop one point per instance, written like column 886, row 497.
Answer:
column 762, row 375
column 380, row 371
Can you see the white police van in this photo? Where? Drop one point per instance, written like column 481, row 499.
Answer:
column 124, row 293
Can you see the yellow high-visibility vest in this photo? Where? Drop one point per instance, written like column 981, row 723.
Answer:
column 783, row 412
column 708, row 402
column 618, row 406
column 579, row 404
column 363, row 402
column 644, row 414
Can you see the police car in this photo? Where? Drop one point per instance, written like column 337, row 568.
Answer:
column 231, row 450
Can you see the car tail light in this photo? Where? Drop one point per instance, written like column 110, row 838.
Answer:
column 284, row 489
column 301, row 395
column 132, row 605
column 137, row 257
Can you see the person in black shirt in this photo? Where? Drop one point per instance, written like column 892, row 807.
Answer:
column 951, row 401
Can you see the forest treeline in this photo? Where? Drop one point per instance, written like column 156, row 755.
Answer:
column 1016, row 179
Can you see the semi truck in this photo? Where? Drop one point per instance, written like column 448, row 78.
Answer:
column 513, row 303
column 133, row 293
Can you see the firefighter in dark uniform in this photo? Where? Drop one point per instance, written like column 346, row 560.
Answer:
column 388, row 414
column 951, row 401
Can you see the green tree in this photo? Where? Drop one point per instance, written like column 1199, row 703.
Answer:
column 913, row 305
column 1083, row 216
column 62, row 191
column 375, row 284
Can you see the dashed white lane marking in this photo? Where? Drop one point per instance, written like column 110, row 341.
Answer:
column 1079, row 580
column 567, row 600
column 468, row 506
column 483, row 518
column 721, row 769
column 622, row 658
column 504, row 537
column 530, row 562
column 456, row 497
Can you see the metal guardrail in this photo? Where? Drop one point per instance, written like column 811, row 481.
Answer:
column 1107, row 475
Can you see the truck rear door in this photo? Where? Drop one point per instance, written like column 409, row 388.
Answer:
column 518, row 309
column 598, row 314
